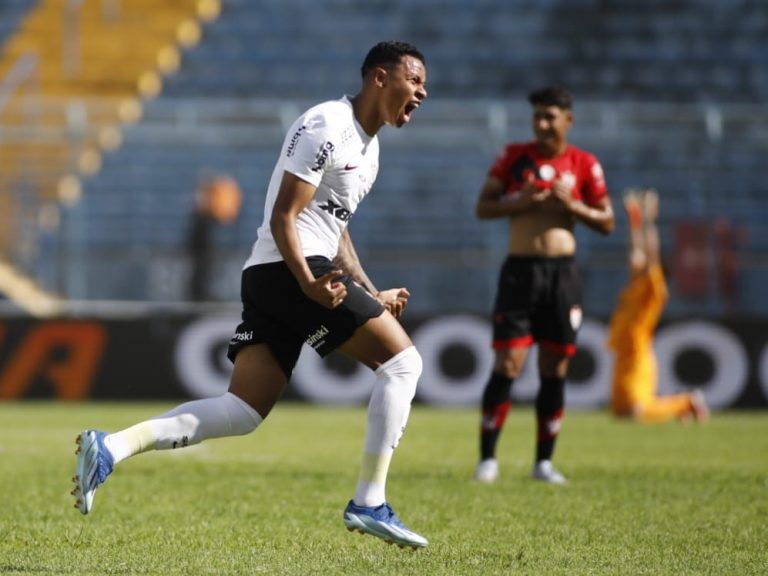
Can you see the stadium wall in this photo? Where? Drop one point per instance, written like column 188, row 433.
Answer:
column 180, row 354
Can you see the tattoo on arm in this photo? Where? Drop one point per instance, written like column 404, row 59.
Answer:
column 346, row 259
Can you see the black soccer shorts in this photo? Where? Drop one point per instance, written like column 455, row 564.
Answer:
column 278, row 313
column 538, row 300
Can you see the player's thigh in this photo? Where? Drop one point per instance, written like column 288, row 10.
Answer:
column 514, row 304
column 376, row 341
column 258, row 378
column 559, row 318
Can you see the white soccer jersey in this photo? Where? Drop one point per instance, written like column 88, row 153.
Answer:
column 327, row 147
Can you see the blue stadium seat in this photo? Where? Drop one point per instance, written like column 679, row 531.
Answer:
column 697, row 52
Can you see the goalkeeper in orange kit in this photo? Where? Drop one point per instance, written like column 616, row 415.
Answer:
column 630, row 335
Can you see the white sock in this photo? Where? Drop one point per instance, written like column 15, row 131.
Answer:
column 187, row 424
column 388, row 412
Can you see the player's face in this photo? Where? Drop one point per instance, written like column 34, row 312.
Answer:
column 405, row 90
column 550, row 126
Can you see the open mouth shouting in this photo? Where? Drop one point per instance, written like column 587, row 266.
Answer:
column 405, row 115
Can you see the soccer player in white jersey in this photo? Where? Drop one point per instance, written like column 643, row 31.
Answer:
column 303, row 283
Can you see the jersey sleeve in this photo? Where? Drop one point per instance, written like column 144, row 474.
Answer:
column 595, row 188
column 311, row 150
column 501, row 165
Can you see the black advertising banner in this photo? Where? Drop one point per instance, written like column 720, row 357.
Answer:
column 173, row 355
column 78, row 359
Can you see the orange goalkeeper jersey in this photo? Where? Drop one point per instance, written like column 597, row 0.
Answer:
column 630, row 336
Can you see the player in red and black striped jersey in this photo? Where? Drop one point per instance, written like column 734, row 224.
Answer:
column 544, row 188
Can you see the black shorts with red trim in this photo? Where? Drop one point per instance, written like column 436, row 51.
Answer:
column 538, row 300
column 278, row 313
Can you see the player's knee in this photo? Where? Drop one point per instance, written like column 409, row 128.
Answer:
column 404, row 369
column 509, row 364
column 508, row 369
column 414, row 363
column 243, row 418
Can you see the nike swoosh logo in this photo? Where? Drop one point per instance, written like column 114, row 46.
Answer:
column 350, row 167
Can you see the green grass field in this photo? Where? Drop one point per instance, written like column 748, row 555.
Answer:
column 667, row 499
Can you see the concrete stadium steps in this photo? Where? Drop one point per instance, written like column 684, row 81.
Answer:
column 114, row 53
column 111, row 53
column 91, row 61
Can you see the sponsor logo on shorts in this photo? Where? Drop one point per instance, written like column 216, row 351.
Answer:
column 317, row 338
column 243, row 336
column 576, row 317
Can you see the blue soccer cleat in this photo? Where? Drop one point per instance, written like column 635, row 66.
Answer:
column 94, row 464
column 382, row 522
